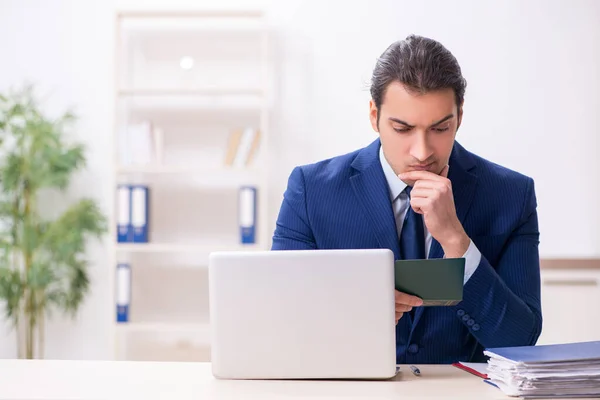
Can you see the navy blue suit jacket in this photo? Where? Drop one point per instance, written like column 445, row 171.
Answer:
column 344, row 203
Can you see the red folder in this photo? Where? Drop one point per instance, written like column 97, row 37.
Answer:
column 471, row 370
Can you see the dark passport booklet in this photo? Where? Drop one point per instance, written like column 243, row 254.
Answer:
column 438, row 281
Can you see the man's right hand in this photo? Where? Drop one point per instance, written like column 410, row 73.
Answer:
column 405, row 303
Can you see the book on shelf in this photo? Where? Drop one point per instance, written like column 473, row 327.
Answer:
column 242, row 147
column 141, row 144
column 133, row 205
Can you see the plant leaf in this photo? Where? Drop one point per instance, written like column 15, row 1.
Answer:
column 66, row 235
column 39, row 276
column 69, row 292
column 34, row 155
column 79, row 284
column 12, row 290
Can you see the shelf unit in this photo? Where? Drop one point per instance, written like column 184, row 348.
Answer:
column 197, row 77
column 192, row 92
column 181, row 248
column 202, row 330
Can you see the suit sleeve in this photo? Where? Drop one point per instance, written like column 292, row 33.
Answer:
column 501, row 305
column 293, row 230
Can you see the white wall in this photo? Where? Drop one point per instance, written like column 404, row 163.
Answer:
column 532, row 102
column 65, row 48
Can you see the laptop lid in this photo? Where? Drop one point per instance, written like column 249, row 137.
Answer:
column 302, row 314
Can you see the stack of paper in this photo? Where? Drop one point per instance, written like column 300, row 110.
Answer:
column 561, row 370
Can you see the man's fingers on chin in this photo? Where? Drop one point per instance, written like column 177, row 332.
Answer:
column 425, row 185
column 420, row 175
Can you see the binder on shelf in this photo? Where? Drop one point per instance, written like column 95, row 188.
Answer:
column 247, row 214
column 139, row 213
column 123, row 292
column 124, row 228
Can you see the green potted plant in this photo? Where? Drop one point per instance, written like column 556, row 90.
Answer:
column 42, row 263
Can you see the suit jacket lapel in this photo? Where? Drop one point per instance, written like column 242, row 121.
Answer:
column 464, row 180
column 372, row 192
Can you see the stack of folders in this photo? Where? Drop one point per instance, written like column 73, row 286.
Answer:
column 558, row 370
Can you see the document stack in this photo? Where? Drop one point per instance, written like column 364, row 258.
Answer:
column 558, row 370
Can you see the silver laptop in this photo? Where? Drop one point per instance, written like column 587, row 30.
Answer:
column 306, row 314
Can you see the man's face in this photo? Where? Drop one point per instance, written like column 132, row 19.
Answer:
column 416, row 130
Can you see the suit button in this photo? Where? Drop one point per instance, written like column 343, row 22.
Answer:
column 413, row 349
column 470, row 322
column 466, row 317
column 460, row 313
column 475, row 327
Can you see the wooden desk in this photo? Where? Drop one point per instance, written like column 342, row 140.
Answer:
column 52, row 379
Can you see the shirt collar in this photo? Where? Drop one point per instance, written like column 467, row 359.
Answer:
column 395, row 184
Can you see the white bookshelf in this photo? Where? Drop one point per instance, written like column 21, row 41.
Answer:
column 182, row 248
column 204, row 177
column 192, row 92
column 198, row 329
column 196, row 78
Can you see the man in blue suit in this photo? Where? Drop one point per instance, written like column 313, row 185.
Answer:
column 418, row 192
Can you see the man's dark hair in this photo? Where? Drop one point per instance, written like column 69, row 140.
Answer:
column 421, row 65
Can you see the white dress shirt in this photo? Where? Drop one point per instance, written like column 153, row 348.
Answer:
column 400, row 204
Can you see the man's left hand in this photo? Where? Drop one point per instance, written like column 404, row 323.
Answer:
column 432, row 197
